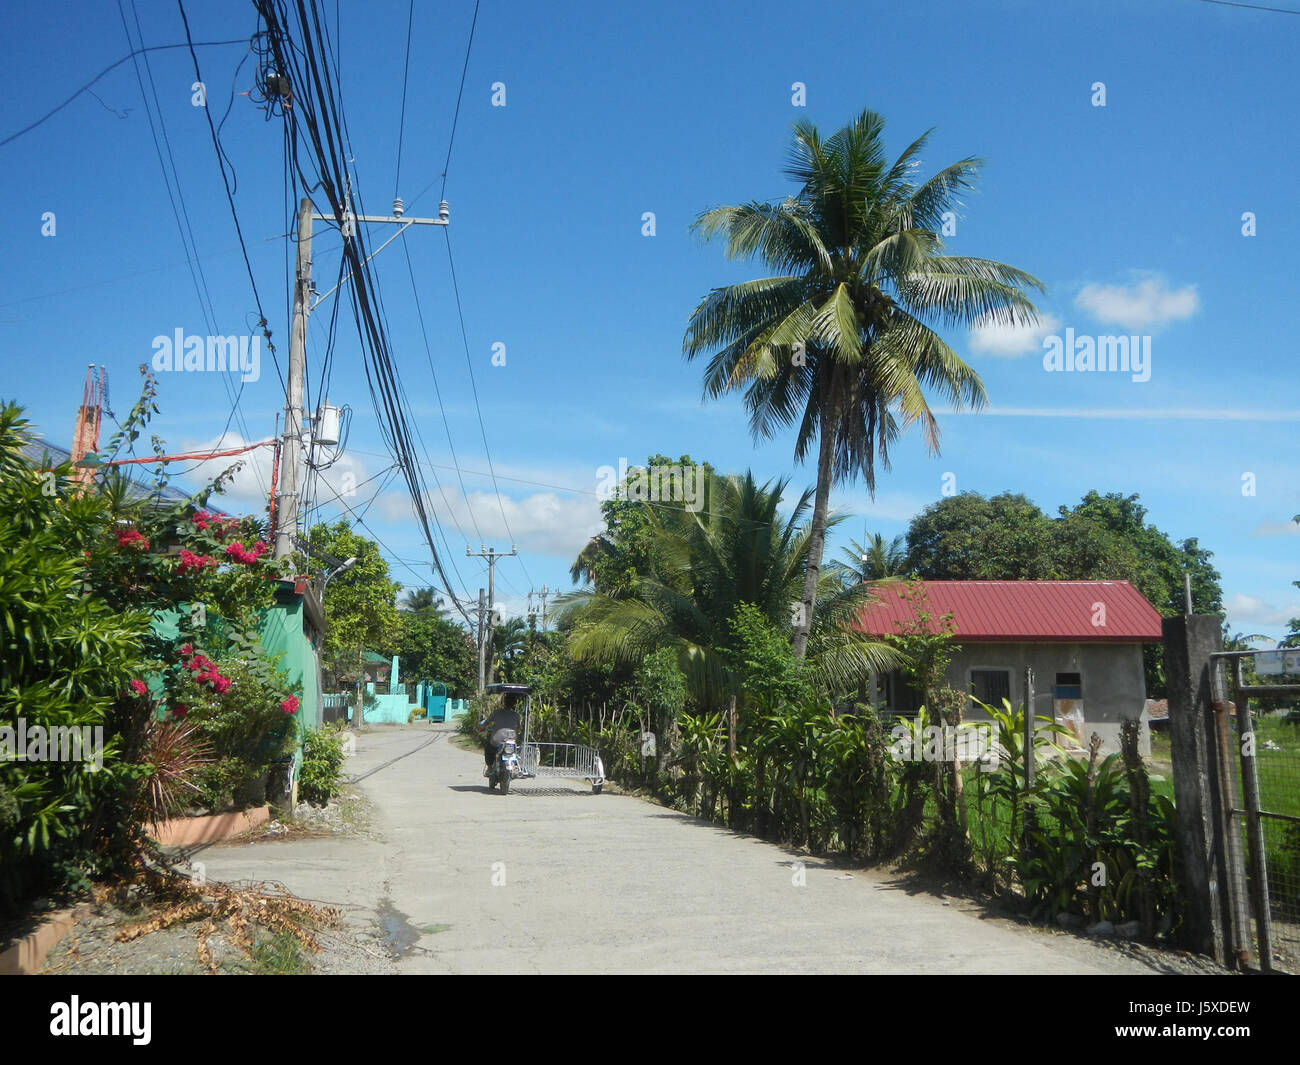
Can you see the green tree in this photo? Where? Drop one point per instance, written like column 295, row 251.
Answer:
column 1146, row 557
column 968, row 537
column 433, row 648
column 699, row 568
column 422, row 601
column 358, row 602
column 509, row 644
column 358, row 605
column 843, row 336
column 66, row 661
column 876, row 560
column 612, row 558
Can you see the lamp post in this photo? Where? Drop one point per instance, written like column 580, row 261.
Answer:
column 336, row 571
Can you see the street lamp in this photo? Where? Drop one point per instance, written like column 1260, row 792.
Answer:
column 337, row 570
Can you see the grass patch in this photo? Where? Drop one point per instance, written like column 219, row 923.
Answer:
column 279, row 954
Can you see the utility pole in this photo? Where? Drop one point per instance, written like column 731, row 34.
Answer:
column 482, row 619
column 545, row 592
column 491, row 554
column 286, row 506
column 291, row 453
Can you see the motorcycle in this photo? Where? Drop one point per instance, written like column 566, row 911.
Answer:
column 505, row 765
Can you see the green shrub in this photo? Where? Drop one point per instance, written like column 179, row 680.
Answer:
column 322, row 765
column 66, row 661
column 245, row 727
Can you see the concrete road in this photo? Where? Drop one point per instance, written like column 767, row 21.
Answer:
column 456, row 879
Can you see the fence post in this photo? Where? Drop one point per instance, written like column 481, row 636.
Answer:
column 1201, row 829
column 1030, row 820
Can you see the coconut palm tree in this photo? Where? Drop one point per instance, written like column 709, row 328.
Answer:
column 879, row 560
column 840, row 341
column 509, row 641
column 422, row 601
column 742, row 550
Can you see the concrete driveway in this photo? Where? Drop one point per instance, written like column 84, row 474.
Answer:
column 456, row 879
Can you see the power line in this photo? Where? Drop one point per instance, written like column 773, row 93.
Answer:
column 464, row 336
column 460, row 92
column 381, row 543
column 225, row 181
column 401, row 124
column 302, row 69
column 111, row 67
column 437, row 391
column 575, row 491
column 185, row 228
column 1252, row 7
column 454, row 121
column 139, row 273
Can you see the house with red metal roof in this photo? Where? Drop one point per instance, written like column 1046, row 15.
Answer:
column 1082, row 640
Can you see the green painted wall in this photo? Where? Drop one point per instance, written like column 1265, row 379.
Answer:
column 282, row 634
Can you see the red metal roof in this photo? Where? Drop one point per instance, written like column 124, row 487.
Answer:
column 1023, row 611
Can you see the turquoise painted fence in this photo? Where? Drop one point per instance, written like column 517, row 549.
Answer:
column 395, row 708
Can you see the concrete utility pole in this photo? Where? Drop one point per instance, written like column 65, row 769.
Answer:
column 286, row 505
column 491, row 554
column 291, row 453
column 482, row 620
column 544, row 593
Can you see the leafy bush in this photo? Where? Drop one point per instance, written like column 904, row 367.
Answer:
column 245, row 725
column 66, row 661
column 322, row 765
column 1083, row 853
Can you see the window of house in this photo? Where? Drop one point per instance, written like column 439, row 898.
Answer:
column 1068, row 686
column 990, row 686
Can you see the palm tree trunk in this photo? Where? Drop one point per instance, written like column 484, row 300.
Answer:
column 817, row 535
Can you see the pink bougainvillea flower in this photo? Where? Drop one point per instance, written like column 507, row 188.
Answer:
column 191, row 562
column 131, row 538
column 139, row 687
column 219, row 683
column 199, row 664
column 290, row 705
column 238, row 552
column 187, row 650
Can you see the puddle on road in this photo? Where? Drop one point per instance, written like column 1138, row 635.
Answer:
column 396, row 932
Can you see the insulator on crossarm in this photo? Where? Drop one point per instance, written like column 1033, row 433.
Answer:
column 398, row 207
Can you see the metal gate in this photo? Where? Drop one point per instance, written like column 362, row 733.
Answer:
column 1263, row 800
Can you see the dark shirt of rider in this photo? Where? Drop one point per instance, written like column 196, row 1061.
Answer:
column 500, row 720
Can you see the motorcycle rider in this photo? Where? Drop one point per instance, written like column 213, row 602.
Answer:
column 504, row 718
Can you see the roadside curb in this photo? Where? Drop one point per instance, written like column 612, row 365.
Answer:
column 27, row 956
column 188, row 831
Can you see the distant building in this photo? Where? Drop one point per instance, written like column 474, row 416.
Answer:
column 1082, row 639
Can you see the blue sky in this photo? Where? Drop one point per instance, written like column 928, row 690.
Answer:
column 1130, row 213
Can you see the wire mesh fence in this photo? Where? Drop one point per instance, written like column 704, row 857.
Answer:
column 1273, row 850
column 1265, row 814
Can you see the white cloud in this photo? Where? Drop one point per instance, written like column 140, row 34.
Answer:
column 247, row 492
column 543, row 523
column 892, row 507
column 1147, row 304
column 988, row 337
column 1276, row 528
column 1191, row 414
column 1246, row 612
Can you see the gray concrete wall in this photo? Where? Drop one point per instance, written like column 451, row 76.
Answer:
column 1112, row 680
